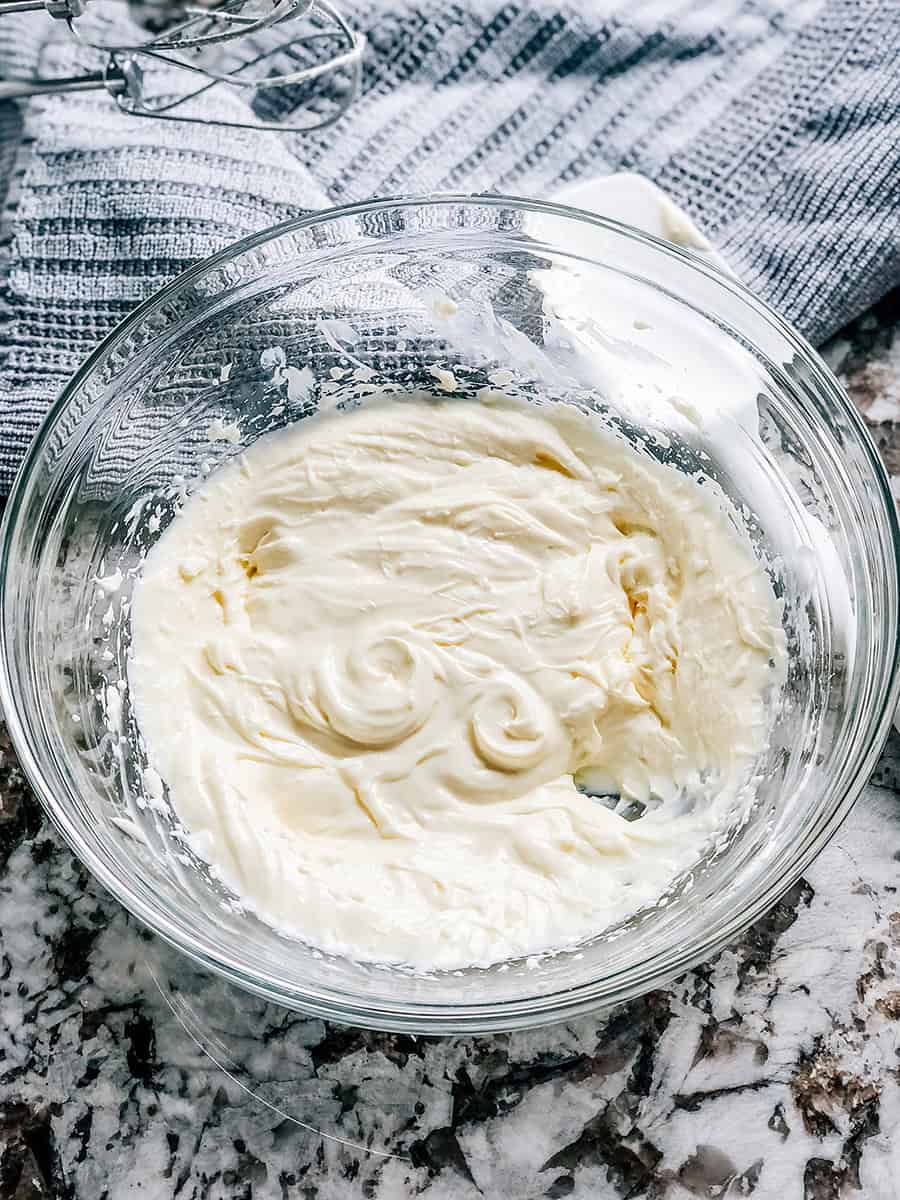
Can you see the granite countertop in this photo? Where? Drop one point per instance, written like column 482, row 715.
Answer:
column 773, row 1071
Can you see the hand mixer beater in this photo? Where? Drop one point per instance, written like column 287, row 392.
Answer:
column 286, row 57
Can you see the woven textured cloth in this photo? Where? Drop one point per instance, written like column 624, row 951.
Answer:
column 777, row 126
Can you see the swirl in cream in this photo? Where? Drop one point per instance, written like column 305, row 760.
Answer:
column 512, row 726
column 372, row 657
column 373, row 693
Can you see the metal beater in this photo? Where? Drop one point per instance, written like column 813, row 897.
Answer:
column 270, row 51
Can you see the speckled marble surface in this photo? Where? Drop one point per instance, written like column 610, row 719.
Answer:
column 773, row 1071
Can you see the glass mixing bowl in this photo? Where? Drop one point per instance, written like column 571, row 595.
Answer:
column 679, row 358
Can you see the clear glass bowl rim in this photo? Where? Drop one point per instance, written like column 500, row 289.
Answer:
column 406, row 1015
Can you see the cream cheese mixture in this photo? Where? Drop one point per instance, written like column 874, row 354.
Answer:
column 372, row 655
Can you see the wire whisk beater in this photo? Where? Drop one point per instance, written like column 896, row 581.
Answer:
column 297, row 63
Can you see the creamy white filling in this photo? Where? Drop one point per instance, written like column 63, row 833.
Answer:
column 371, row 656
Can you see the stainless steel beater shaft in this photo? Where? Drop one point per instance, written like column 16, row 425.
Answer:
column 63, row 10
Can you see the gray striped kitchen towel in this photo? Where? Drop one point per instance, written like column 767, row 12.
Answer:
column 776, row 125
